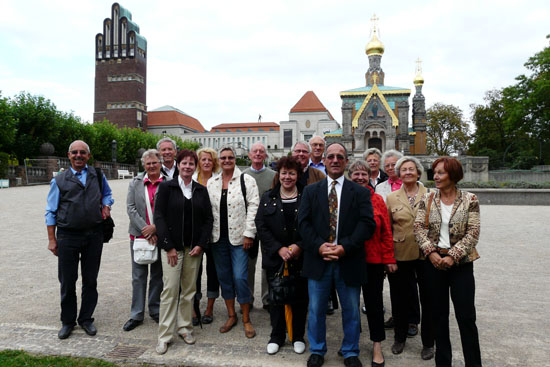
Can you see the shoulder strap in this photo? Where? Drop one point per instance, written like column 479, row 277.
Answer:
column 243, row 189
column 428, row 209
column 99, row 179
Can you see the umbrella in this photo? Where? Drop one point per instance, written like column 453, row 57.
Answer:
column 288, row 310
column 197, row 310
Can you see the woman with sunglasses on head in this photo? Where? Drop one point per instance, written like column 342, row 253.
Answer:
column 234, row 198
column 379, row 258
column 447, row 229
column 277, row 225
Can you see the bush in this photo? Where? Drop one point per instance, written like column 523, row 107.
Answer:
column 4, row 162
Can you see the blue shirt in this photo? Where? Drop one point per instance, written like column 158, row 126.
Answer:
column 320, row 166
column 53, row 195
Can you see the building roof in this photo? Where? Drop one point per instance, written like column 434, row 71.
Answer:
column 382, row 88
column 168, row 115
column 246, row 127
column 310, row 103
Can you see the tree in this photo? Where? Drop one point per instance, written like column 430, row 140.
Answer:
column 446, row 130
column 8, row 125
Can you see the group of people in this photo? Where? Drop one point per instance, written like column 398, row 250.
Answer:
column 330, row 237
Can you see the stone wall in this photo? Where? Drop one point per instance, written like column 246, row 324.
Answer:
column 519, row 175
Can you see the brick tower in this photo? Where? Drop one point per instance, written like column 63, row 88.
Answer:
column 121, row 71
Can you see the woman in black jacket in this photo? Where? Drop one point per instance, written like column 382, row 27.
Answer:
column 277, row 228
column 183, row 216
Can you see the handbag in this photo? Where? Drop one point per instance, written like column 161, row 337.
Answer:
column 108, row 224
column 282, row 286
column 144, row 252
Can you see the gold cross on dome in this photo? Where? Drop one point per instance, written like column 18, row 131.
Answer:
column 418, row 66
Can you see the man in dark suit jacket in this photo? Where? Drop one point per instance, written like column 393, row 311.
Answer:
column 341, row 259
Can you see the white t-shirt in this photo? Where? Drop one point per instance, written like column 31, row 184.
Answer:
column 444, row 241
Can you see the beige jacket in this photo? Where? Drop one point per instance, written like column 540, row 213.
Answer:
column 464, row 226
column 240, row 222
column 402, row 218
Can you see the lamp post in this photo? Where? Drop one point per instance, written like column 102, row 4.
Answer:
column 113, row 151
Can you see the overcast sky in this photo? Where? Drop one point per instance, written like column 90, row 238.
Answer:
column 228, row 61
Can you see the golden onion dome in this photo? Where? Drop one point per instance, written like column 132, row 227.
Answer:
column 418, row 79
column 375, row 46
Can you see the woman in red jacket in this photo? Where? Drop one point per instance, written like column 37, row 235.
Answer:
column 379, row 250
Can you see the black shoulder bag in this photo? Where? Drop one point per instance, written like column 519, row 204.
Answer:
column 108, row 223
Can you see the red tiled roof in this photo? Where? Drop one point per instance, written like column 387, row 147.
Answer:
column 310, row 103
column 246, row 126
column 161, row 118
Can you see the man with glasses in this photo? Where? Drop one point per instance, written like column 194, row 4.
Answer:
column 335, row 219
column 317, row 144
column 77, row 204
column 301, row 151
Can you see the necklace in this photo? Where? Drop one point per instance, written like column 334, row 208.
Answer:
column 290, row 195
column 413, row 194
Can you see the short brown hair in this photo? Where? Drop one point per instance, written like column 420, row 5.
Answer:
column 452, row 166
column 289, row 163
column 187, row 153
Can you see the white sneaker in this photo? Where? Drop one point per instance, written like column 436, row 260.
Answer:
column 299, row 347
column 161, row 348
column 272, row 348
column 188, row 338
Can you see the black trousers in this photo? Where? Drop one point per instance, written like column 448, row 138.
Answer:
column 299, row 315
column 372, row 296
column 212, row 283
column 72, row 247
column 402, row 289
column 460, row 281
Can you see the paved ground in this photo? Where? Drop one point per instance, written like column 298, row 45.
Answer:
column 512, row 298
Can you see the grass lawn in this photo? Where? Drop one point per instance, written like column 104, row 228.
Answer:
column 16, row 358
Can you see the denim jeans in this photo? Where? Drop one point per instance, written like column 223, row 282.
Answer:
column 232, row 268
column 319, row 291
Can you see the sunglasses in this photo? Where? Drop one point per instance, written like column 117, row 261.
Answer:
column 227, row 158
column 82, row 152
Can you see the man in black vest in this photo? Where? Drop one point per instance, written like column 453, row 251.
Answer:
column 76, row 207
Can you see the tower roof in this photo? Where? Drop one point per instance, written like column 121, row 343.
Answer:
column 375, row 46
column 310, row 103
column 168, row 115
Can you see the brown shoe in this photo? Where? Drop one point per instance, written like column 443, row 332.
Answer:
column 231, row 321
column 249, row 330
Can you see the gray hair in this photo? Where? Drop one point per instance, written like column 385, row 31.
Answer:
column 259, row 143
column 167, row 139
column 359, row 165
column 372, row 151
column 406, row 159
column 317, row 136
column 79, row 141
column 150, row 153
column 302, row 142
column 227, row 147
column 390, row 153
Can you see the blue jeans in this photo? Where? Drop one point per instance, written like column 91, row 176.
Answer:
column 319, row 291
column 232, row 268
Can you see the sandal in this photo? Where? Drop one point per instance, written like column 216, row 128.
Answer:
column 207, row 319
column 228, row 324
column 249, row 330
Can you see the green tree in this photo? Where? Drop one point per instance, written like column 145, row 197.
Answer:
column 446, row 130
column 8, row 125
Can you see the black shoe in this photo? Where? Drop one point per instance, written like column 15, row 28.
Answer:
column 330, row 308
column 131, row 324
column 65, row 331
column 364, row 309
column 266, row 307
column 195, row 321
column 427, row 353
column 155, row 318
column 412, row 331
column 89, row 328
column 353, row 361
column 376, row 364
column 206, row 319
column 389, row 324
column 315, row 360
column 397, row 347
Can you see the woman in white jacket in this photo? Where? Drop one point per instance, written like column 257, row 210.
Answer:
column 232, row 235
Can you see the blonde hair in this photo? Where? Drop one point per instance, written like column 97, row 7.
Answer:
column 215, row 161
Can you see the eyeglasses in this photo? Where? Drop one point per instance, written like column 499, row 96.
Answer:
column 337, row 156
column 301, row 151
column 227, row 158
column 82, row 152
column 152, row 163
column 389, row 165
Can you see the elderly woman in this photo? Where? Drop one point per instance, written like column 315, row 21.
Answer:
column 235, row 200
column 393, row 183
column 379, row 258
column 277, row 224
column 183, row 216
column 373, row 156
column 447, row 229
column 207, row 168
column 144, row 187
column 402, row 207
